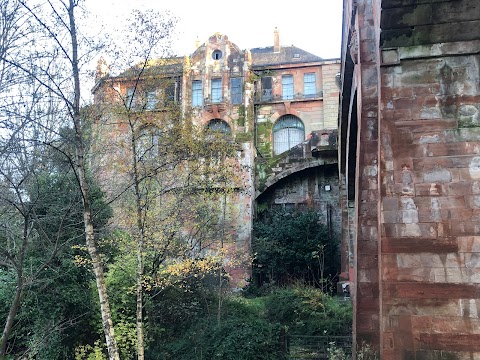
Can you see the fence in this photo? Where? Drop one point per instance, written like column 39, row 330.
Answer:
column 314, row 347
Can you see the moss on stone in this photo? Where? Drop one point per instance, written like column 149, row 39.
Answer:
column 264, row 169
column 241, row 115
column 244, row 137
column 467, row 123
column 264, row 144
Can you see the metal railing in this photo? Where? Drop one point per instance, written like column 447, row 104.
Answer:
column 315, row 347
column 266, row 95
column 208, row 101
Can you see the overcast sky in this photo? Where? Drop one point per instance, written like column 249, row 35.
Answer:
column 312, row 25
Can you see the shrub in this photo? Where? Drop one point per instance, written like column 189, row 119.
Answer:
column 289, row 247
column 308, row 311
column 243, row 334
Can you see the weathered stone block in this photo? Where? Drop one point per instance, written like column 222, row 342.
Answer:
column 449, row 341
column 438, row 175
column 419, row 245
column 468, row 244
column 421, row 306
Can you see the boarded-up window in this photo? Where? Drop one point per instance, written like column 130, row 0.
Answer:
column 266, row 88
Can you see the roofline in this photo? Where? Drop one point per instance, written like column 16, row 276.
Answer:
column 283, row 65
column 290, row 65
column 123, row 79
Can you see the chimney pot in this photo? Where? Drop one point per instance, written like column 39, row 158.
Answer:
column 276, row 40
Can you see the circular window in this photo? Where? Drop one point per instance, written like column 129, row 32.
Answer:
column 217, row 55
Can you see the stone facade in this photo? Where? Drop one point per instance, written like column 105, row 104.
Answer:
column 273, row 102
column 409, row 160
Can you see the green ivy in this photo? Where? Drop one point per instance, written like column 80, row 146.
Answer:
column 241, row 115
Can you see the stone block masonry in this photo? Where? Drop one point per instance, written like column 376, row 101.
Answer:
column 427, row 268
column 411, row 98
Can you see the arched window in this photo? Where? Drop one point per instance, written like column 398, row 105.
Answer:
column 147, row 143
column 288, row 131
column 219, row 126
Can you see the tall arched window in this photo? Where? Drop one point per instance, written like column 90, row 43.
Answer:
column 148, row 144
column 220, row 126
column 288, row 131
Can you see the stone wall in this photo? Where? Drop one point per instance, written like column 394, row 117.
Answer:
column 430, row 145
column 430, row 205
column 315, row 188
column 330, row 96
column 316, row 113
column 412, row 69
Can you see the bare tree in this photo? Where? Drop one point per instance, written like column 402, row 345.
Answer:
column 147, row 35
column 166, row 160
column 25, row 227
column 29, row 234
column 53, row 62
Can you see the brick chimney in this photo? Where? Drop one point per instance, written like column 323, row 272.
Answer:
column 276, row 41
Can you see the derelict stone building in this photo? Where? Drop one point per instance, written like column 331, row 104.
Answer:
column 278, row 103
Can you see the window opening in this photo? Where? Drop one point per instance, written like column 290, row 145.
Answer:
column 236, row 90
column 287, row 87
column 266, row 88
column 219, row 126
column 148, row 144
column 129, row 99
column 309, row 85
column 170, row 94
column 288, row 131
column 216, row 90
column 197, row 93
column 151, row 103
column 217, row 55
column 173, row 91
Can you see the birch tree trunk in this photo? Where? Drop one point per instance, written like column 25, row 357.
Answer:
column 10, row 317
column 140, row 244
column 79, row 164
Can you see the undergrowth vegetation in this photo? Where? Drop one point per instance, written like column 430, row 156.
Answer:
column 250, row 327
column 189, row 317
column 291, row 246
